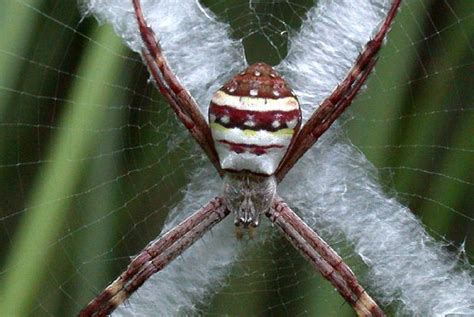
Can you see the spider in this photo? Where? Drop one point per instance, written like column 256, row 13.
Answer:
column 254, row 137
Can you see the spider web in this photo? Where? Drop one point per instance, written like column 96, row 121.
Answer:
column 94, row 165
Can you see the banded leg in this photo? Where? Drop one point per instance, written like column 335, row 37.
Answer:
column 323, row 258
column 341, row 98
column 180, row 100
column 155, row 257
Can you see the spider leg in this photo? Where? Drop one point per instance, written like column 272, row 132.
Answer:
column 323, row 258
column 155, row 257
column 341, row 98
column 180, row 100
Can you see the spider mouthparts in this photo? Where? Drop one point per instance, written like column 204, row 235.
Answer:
column 250, row 228
column 248, row 221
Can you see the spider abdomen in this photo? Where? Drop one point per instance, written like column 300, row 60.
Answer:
column 253, row 119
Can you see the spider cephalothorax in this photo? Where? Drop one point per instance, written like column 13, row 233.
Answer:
column 253, row 139
column 253, row 118
column 248, row 196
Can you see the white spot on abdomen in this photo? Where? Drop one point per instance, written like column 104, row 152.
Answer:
column 292, row 123
column 225, row 119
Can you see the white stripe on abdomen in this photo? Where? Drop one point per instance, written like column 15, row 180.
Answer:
column 220, row 98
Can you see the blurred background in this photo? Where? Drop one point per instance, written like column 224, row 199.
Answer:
column 91, row 158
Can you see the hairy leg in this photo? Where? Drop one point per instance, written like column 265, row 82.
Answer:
column 177, row 96
column 155, row 257
column 341, row 98
column 323, row 258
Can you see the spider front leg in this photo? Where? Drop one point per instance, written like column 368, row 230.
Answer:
column 341, row 98
column 154, row 257
column 323, row 258
column 179, row 99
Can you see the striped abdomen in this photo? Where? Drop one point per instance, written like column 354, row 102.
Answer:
column 253, row 119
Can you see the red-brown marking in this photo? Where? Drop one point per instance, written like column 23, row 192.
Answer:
column 262, row 120
column 251, row 148
column 260, row 78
